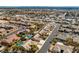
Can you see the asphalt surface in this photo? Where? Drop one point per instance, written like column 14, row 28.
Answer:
column 45, row 47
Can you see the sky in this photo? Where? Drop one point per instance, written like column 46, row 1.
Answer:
column 39, row 2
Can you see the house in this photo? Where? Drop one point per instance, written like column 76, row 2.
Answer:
column 61, row 48
column 27, row 44
column 2, row 31
column 2, row 48
column 11, row 38
column 76, row 39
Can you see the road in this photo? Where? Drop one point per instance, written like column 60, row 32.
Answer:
column 45, row 47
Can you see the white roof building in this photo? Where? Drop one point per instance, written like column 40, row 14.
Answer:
column 60, row 47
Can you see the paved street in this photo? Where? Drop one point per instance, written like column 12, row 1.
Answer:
column 45, row 47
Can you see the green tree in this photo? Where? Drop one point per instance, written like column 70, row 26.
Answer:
column 69, row 41
column 33, row 49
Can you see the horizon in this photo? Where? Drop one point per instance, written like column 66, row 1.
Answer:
column 42, row 7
